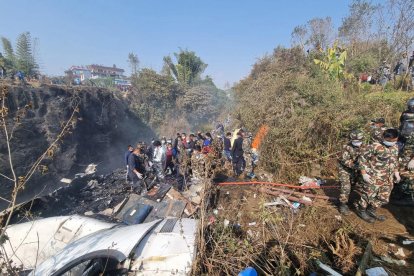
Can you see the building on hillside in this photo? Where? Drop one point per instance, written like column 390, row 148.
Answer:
column 99, row 71
column 78, row 73
column 123, row 84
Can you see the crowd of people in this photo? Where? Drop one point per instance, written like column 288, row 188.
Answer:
column 192, row 156
column 369, row 164
column 372, row 165
column 402, row 73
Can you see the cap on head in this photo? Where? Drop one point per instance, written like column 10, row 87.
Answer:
column 378, row 120
column 356, row 135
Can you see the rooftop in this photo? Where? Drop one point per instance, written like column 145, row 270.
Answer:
column 113, row 68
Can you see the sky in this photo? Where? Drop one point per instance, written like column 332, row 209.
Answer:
column 228, row 35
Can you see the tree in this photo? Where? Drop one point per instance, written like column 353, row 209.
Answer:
column 153, row 95
column 356, row 27
column 298, row 35
column 188, row 69
column 320, row 32
column 9, row 58
column 133, row 63
column 401, row 16
column 334, row 63
column 198, row 101
column 24, row 55
column 8, row 48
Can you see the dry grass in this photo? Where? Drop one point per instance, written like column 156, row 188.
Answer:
column 344, row 251
column 308, row 114
column 281, row 242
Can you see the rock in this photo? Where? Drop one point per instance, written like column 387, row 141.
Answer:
column 89, row 213
column 101, row 135
column 90, row 169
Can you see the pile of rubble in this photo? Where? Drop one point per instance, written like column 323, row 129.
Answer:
column 109, row 197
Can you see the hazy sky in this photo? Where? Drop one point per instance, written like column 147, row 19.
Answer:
column 229, row 35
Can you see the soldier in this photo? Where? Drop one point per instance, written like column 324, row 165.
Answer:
column 384, row 73
column 377, row 129
column 183, row 160
column 379, row 165
column 198, row 163
column 401, row 77
column 217, row 147
column 348, row 168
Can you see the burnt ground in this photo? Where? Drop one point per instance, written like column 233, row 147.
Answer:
column 89, row 195
column 239, row 231
column 303, row 235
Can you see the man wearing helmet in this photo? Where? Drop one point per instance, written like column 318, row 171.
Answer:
column 379, row 168
column 407, row 120
column 348, row 168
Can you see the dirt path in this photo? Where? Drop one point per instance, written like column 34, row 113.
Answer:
column 309, row 233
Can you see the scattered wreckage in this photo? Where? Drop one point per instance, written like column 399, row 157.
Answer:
column 96, row 223
column 84, row 246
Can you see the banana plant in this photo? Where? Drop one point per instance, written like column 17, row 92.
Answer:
column 333, row 63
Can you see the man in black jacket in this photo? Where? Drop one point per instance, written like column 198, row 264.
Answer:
column 237, row 154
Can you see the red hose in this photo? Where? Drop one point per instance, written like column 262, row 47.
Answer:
column 276, row 184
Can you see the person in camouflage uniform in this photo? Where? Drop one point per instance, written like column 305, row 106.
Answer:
column 144, row 157
column 407, row 151
column 348, row 168
column 247, row 152
column 217, row 148
column 379, row 165
column 198, row 163
column 183, row 159
column 407, row 166
column 377, row 129
column 384, row 73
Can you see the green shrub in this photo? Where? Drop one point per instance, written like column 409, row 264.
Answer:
column 309, row 115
